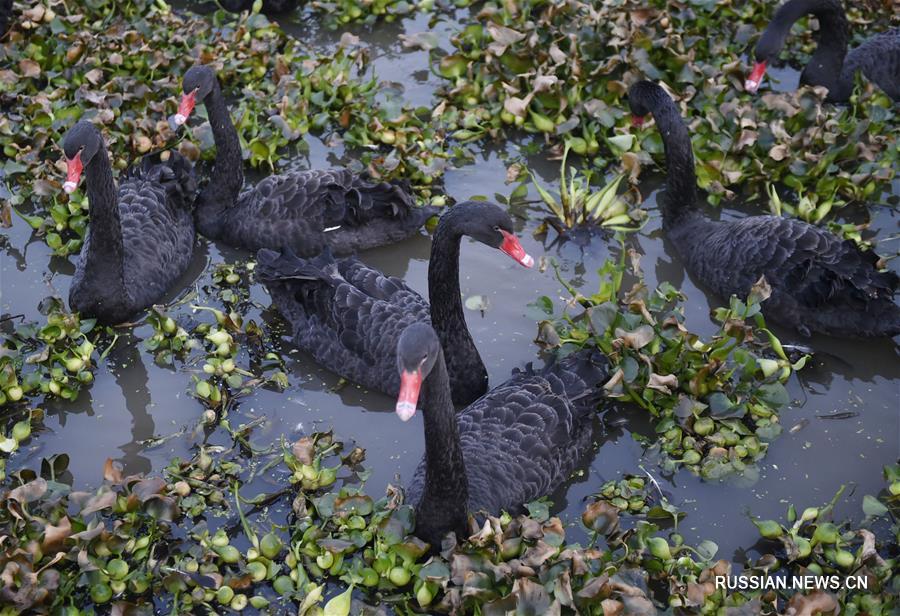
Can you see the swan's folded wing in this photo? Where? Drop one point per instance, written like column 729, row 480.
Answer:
column 286, row 211
column 369, row 325
column 157, row 231
column 818, row 267
column 369, row 200
column 373, row 282
column 879, row 60
column 519, row 441
column 809, row 263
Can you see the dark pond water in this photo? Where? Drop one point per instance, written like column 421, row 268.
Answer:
column 133, row 400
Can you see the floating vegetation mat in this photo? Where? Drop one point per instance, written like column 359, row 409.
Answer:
column 120, row 64
column 195, row 539
column 715, row 401
column 560, row 69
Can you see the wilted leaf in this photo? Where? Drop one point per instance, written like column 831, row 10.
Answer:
column 664, row 383
column 112, row 471
column 29, row 68
column 304, row 450
column 98, row 502
column 55, row 535
column 779, row 152
column 29, row 492
column 637, row 339
column 601, row 517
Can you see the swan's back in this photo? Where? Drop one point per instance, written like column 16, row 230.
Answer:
column 347, row 315
column 820, row 282
column 305, row 211
column 879, row 60
column 524, row 437
column 157, row 224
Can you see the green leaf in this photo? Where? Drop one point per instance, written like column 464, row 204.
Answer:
column 773, row 394
column 873, row 507
column 538, row 510
column 707, row 549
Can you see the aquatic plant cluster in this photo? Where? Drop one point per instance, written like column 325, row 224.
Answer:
column 517, row 65
column 560, row 69
column 715, row 401
column 192, row 539
column 164, row 544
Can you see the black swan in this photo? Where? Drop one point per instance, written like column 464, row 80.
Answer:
column 831, row 66
column 140, row 238
column 511, row 446
column 819, row 281
column 302, row 211
column 348, row 316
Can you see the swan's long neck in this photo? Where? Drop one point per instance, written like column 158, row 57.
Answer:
column 446, row 490
column 105, row 255
column 681, row 181
column 227, row 176
column 447, row 315
column 824, row 67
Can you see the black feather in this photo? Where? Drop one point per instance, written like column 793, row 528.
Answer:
column 302, row 211
column 141, row 236
column 819, row 281
column 349, row 316
column 831, row 66
column 517, row 443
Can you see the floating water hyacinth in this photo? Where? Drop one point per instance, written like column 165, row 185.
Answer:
column 715, row 400
column 561, row 69
column 159, row 543
column 577, row 203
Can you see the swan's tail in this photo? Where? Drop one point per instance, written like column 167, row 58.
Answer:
column 583, row 375
column 176, row 174
column 6, row 15
column 879, row 318
column 369, row 200
column 284, row 266
column 579, row 376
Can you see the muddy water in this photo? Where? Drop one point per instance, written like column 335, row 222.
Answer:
column 134, row 402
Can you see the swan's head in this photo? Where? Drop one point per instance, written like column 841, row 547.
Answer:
column 751, row 84
column 489, row 224
column 198, row 82
column 417, row 352
column 642, row 97
column 772, row 42
column 80, row 145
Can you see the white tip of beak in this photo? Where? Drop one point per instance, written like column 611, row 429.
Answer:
column 405, row 410
column 179, row 119
column 69, row 187
column 528, row 260
column 751, row 86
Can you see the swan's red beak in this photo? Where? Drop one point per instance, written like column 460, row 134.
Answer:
column 637, row 121
column 755, row 77
column 513, row 248
column 73, row 173
column 410, row 384
column 185, row 107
